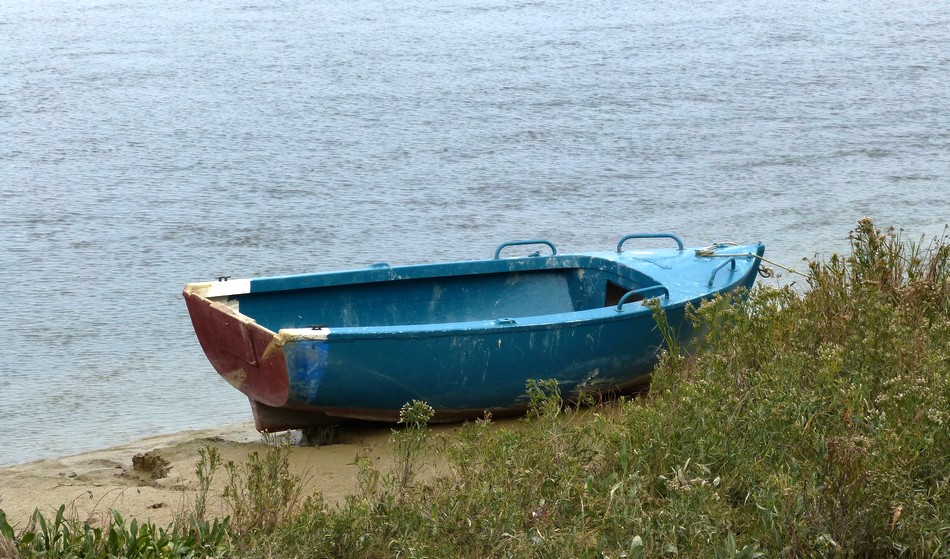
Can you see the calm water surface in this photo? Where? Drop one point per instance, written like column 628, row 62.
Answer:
column 147, row 144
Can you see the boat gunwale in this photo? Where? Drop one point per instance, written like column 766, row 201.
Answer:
column 459, row 269
column 378, row 273
column 600, row 261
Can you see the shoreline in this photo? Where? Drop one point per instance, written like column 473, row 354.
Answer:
column 153, row 479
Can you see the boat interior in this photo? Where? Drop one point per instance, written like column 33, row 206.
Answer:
column 449, row 297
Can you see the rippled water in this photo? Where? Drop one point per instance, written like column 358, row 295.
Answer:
column 147, row 144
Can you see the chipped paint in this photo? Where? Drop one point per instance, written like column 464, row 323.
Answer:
column 294, row 334
column 276, row 346
column 212, row 289
column 235, row 378
column 231, row 343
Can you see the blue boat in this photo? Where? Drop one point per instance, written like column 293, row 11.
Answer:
column 465, row 337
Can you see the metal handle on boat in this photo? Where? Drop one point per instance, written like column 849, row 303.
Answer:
column 641, row 291
column 626, row 238
column 526, row 242
column 720, row 267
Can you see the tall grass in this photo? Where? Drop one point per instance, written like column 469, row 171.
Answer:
column 811, row 424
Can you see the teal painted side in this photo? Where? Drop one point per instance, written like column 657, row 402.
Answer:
column 478, row 370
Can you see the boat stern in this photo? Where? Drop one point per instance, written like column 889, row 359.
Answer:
column 247, row 355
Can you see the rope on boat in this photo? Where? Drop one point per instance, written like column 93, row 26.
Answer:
column 764, row 271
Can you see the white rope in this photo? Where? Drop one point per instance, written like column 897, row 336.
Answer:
column 764, row 271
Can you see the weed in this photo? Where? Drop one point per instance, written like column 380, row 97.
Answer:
column 409, row 443
column 263, row 492
column 205, row 467
column 8, row 547
column 64, row 538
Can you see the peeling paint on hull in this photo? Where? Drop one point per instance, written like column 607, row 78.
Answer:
column 465, row 337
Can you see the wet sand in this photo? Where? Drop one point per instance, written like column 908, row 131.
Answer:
column 163, row 482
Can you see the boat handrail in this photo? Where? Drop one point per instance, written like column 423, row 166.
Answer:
column 712, row 276
column 626, row 238
column 526, row 242
column 641, row 291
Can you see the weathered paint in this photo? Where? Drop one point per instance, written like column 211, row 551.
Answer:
column 464, row 336
column 220, row 288
column 241, row 351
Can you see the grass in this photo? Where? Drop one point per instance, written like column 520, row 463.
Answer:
column 806, row 424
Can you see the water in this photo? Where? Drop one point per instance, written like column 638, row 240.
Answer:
column 145, row 144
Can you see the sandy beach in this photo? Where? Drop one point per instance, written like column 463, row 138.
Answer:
column 154, row 479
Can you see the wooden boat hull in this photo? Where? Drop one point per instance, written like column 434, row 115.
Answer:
column 465, row 337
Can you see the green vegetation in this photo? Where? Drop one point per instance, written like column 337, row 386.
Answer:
column 64, row 538
column 811, row 424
